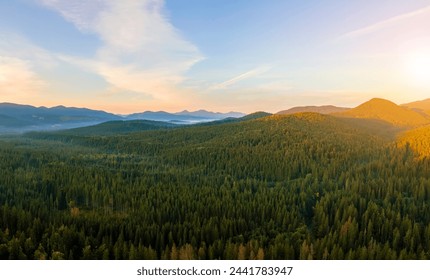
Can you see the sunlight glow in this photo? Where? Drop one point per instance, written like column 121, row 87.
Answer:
column 418, row 69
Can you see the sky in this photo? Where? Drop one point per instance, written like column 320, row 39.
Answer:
column 220, row 55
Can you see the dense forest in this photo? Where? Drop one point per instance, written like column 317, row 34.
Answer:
column 303, row 186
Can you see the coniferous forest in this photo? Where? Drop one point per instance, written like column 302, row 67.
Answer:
column 303, row 186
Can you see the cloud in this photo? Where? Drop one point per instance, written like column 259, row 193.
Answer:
column 17, row 79
column 79, row 12
column 155, row 83
column 13, row 45
column 22, row 69
column 247, row 75
column 384, row 24
column 141, row 50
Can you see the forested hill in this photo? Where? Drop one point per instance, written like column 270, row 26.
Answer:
column 327, row 109
column 385, row 110
column 422, row 106
column 418, row 140
column 304, row 186
column 117, row 128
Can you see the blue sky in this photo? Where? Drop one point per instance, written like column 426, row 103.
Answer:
column 243, row 55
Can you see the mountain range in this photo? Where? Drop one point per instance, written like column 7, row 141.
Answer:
column 21, row 118
column 16, row 118
column 422, row 106
column 184, row 117
column 326, row 109
column 377, row 110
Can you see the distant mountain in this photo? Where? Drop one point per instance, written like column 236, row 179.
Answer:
column 422, row 106
column 252, row 116
column 15, row 118
column 210, row 115
column 10, row 122
column 384, row 110
column 184, row 117
column 327, row 109
column 20, row 118
column 55, row 113
column 166, row 117
column 150, row 115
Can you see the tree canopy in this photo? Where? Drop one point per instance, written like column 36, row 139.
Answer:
column 302, row 186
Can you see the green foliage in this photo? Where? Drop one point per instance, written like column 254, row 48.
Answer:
column 305, row 186
column 418, row 140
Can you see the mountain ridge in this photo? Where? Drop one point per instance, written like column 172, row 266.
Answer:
column 388, row 111
column 20, row 118
column 208, row 114
column 17, row 118
column 324, row 109
column 421, row 106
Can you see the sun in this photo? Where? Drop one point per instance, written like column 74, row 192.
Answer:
column 418, row 69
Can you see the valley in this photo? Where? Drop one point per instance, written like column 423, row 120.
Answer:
column 353, row 184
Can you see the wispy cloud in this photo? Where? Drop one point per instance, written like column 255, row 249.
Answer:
column 384, row 23
column 13, row 45
column 247, row 75
column 79, row 12
column 141, row 50
column 18, row 80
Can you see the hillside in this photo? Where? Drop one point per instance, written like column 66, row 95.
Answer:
column 384, row 110
column 8, row 121
column 327, row 109
column 117, row 128
column 301, row 186
column 422, row 106
column 267, row 188
column 252, row 116
column 418, row 140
